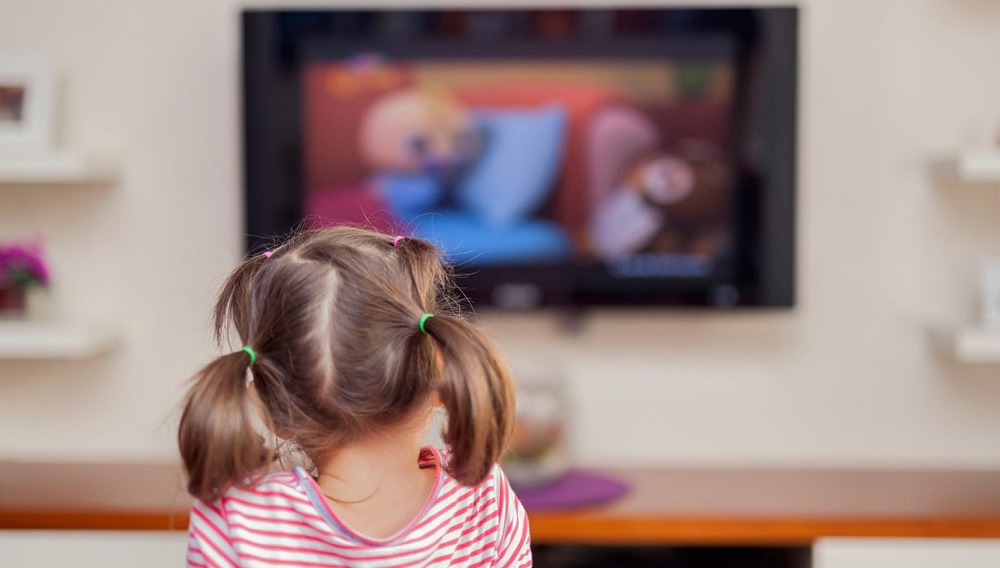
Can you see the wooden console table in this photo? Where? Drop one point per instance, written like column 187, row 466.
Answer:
column 666, row 507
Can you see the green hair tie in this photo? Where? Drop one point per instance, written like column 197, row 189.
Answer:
column 423, row 320
column 253, row 356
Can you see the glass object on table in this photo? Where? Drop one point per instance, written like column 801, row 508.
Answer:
column 538, row 454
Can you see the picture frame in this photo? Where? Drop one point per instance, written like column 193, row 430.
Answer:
column 27, row 105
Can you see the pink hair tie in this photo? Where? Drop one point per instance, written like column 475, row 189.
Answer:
column 395, row 242
column 267, row 254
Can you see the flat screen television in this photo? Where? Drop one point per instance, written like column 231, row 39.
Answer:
column 559, row 157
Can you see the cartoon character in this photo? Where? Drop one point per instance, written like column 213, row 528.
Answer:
column 700, row 223
column 633, row 215
column 415, row 140
column 472, row 184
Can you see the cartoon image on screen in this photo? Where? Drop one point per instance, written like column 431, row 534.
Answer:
column 519, row 162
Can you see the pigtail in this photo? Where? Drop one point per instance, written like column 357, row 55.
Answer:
column 218, row 440
column 478, row 392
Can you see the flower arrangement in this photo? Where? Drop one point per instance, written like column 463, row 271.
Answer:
column 22, row 266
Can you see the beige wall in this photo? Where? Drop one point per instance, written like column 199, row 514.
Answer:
column 846, row 378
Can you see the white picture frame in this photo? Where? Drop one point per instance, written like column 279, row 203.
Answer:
column 27, row 105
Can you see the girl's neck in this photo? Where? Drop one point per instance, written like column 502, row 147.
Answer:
column 376, row 486
column 360, row 470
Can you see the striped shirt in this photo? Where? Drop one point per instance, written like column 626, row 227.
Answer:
column 284, row 520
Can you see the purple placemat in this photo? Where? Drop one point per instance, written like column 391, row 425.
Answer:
column 574, row 489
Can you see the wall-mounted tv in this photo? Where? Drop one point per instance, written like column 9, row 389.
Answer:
column 567, row 157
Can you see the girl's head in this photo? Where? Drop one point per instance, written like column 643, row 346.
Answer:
column 333, row 317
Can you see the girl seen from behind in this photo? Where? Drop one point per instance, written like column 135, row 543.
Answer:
column 350, row 345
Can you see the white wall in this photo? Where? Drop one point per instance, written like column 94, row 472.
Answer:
column 847, row 378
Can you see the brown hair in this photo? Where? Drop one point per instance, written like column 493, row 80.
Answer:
column 333, row 318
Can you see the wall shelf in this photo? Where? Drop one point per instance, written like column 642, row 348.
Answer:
column 974, row 166
column 57, row 169
column 56, row 339
column 970, row 345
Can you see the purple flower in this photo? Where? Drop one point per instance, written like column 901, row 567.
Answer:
column 22, row 265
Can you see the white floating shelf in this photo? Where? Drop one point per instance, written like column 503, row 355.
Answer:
column 55, row 339
column 974, row 166
column 55, row 169
column 972, row 345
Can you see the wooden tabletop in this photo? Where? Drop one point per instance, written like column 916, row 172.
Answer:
column 664, row 506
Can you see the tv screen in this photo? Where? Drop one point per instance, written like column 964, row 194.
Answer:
column 557, row 157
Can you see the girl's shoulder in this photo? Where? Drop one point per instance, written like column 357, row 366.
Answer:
column 275, row 491
column 489, row 507
column 495, row 485
column 256, row 503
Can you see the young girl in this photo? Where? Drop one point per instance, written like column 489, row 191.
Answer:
column 349, row 349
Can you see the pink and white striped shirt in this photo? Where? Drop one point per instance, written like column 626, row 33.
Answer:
column 284, row 520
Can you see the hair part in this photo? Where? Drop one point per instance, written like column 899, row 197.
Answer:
column 333, row 317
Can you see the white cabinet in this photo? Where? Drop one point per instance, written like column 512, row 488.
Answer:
column 906, row 553
column 92, row 549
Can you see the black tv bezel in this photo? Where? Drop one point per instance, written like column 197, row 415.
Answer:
column 273, row 181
